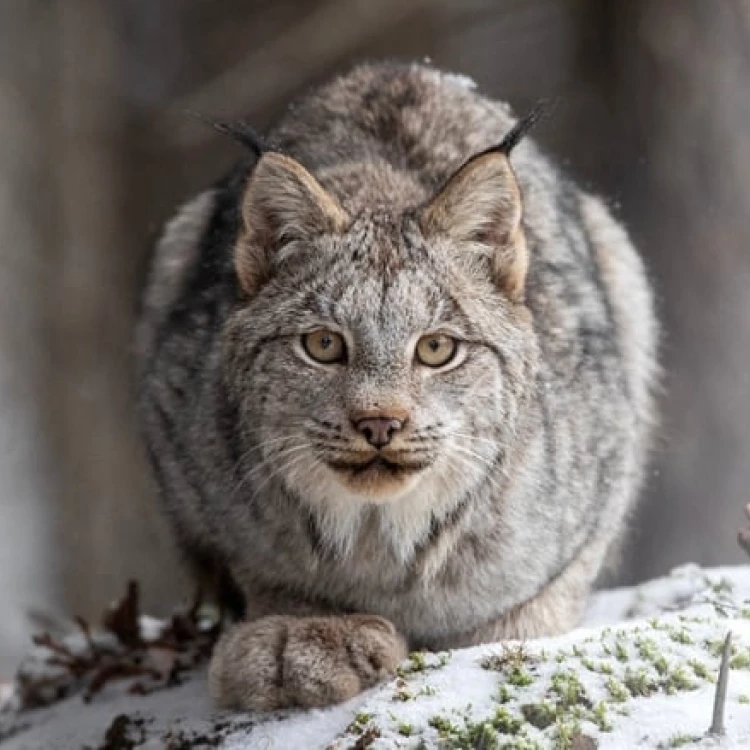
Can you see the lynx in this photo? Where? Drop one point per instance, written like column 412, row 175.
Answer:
column 396, row 378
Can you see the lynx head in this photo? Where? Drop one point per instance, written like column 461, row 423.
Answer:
column 385, row 353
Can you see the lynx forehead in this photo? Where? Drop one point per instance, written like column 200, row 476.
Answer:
column 395, row 377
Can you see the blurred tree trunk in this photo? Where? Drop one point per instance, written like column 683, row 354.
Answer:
column 110, row 528
column 27, row 227
column 685, row 106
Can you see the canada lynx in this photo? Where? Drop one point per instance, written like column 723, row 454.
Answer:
column 395, row 381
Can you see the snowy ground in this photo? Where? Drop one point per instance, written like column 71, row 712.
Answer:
column 640, row 673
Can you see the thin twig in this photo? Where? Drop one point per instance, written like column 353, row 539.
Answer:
column 182, row 638
column 717, row 722
column 86, row 630
column 743, row 537
column 47, row 641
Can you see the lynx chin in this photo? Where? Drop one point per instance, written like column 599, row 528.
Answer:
column 395, row 380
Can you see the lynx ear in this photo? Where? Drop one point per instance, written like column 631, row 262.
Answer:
column 481, row 203
column 283, row 203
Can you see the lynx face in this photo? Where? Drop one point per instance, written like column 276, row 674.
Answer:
column 376, row 359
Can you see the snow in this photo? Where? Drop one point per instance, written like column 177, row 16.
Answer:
column 661, row 639
column 460, row 80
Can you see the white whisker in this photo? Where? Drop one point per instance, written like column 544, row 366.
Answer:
column 269, row 460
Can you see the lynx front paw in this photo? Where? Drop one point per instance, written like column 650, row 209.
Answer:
column 277, row 662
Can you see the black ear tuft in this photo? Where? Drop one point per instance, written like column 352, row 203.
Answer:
column 238, row 131
column 522, row 127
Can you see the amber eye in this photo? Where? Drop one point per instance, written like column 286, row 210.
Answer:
column 436, row 350
column 325, row 346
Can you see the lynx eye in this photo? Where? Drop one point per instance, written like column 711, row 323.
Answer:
column 324, row 346
column 436, row 349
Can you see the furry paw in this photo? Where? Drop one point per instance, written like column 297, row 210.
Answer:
column 277, row 662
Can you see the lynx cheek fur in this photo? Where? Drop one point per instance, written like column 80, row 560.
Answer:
column 395, row 383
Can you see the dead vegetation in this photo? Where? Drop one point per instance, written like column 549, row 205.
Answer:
column 152, row 654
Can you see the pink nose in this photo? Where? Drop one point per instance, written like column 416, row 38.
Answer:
column 378, row 431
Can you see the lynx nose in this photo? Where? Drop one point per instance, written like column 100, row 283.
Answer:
column 378, row 431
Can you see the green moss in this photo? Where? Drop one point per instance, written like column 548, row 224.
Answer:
column 679, row 740
column 618, row 692
column 405, row 729
column 722, row 586
column 743, row 698
column 599, row 715
column 566, row 732
column 714, row 646
column 741, row 659
column 479, row 736
column 485, row 734
column 519, row 677
column 520, row 743
column 418, row 662
column 647, row 649
column 701, row 670
column 639, row 682
column 661, row 665
column 568, row 689
column 402, row 692
column 679, row 680
column 504, row 694
column 360, row 721
column 697, row 619
column 621, row 651
column 511, row 661
column 444, row 726
column 504, row 721
column 745, row 612
column 680, row 635
column 575, row 712
column 599, row 667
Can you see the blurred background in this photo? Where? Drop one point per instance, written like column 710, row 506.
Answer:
column 653, row 111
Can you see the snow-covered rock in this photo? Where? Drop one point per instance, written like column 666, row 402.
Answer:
column 640, row 672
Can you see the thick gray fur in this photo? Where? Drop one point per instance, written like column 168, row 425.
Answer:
column 534, row 447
